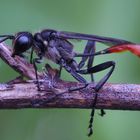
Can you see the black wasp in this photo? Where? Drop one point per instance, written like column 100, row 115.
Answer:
column 55, row 45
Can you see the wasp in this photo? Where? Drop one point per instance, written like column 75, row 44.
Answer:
column 55, row 45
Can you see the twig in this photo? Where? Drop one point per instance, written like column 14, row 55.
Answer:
column 26, row 95
column 112, row 96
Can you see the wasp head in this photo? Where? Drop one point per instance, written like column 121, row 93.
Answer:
column 22, row 42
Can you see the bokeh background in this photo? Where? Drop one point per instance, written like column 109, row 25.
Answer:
column 118, row 19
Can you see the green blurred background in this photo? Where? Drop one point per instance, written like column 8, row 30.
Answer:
column 118, row 19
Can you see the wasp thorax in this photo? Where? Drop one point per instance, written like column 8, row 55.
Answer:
column 48, row 34
column 22, row 42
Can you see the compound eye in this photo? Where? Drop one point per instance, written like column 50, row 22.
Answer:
column 22, row 43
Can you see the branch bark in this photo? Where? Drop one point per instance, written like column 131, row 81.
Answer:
column 26, row 95
column 112, row 96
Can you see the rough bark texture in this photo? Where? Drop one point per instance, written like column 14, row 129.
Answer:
column 112, row 96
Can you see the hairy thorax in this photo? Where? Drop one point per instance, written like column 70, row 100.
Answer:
column 60, row 49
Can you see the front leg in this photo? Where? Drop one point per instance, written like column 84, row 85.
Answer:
column 37, row 60
column 60, row 70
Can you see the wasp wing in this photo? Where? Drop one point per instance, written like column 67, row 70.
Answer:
column 105, row 40
column 116, row 45
column 65, row 48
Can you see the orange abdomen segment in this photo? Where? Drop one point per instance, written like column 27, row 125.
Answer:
column 133, row 48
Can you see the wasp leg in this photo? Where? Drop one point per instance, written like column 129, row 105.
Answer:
column 99, row 68
column 102, row 112
column 60, row 70
column 75, row 75
column 90, row 61
column 89, row 46
column 80, row 79
column 99, row 85
column 72, row 72
column 90, row 127
column 36, row 60
column 89, row 65
column 31, row 56
column 90, row 49
column 88, row 53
